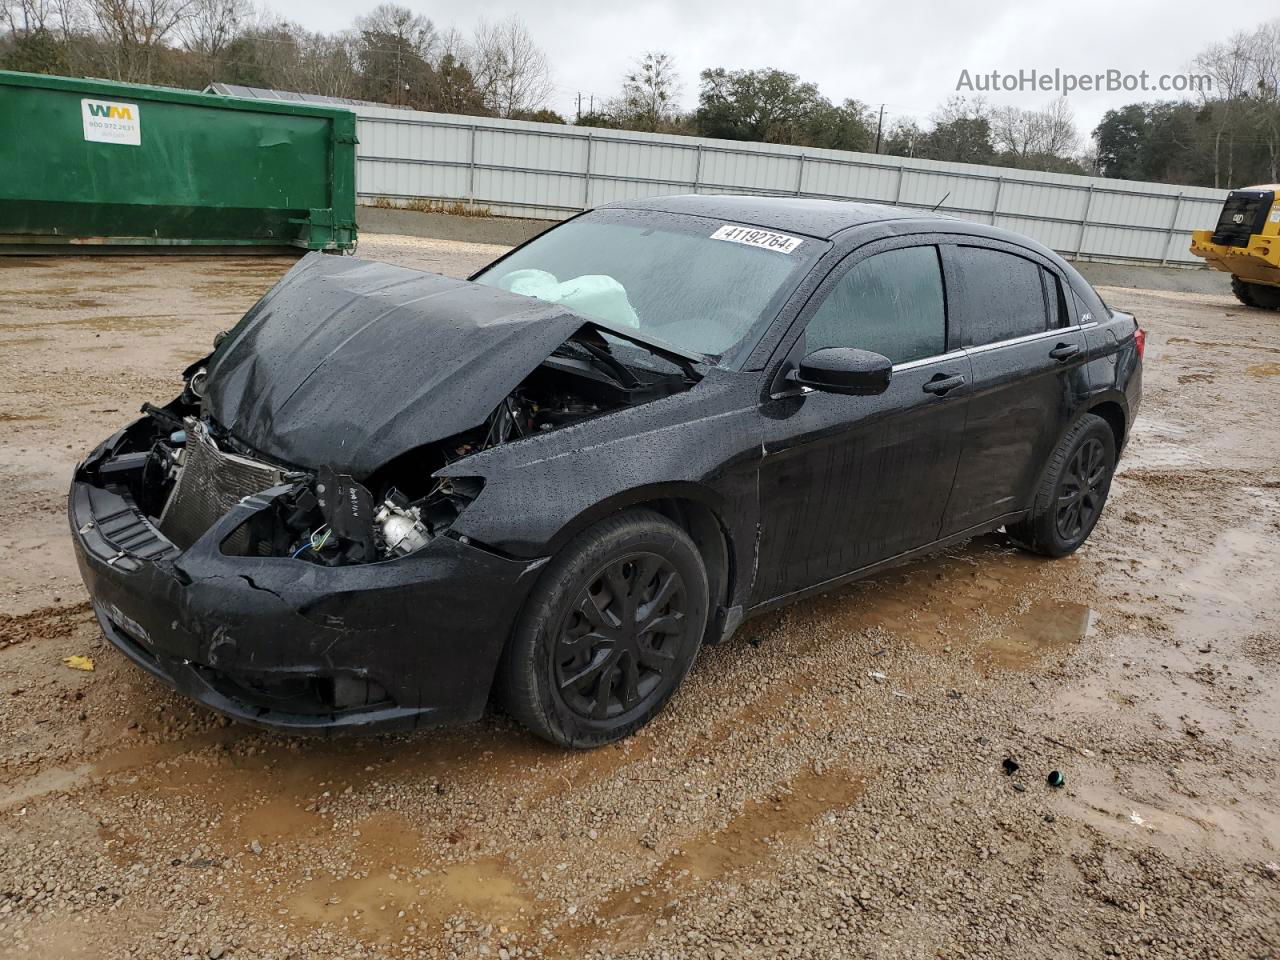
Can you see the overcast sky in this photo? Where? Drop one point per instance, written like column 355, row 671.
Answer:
column 907, row 55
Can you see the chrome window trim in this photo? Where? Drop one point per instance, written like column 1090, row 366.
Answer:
column 1029, row 338
column 936, row 358
column 1014, row 341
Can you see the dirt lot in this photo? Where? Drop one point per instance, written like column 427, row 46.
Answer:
column 828, row 784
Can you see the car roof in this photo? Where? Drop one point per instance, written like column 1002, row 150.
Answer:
column 813, row 217
column 825, row 219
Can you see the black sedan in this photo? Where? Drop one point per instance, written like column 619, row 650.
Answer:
column 387, row 496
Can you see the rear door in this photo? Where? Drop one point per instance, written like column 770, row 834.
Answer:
column 1028, row 355
column 847, row 481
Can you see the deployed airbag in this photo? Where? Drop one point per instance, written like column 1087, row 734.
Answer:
column 597, row 296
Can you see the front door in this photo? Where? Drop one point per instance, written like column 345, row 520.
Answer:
column 847, row 481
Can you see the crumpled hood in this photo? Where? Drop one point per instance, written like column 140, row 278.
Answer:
column 349, row 363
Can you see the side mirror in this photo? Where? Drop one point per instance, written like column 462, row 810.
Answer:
column 860, row 373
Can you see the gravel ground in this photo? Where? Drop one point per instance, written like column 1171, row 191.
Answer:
column 828, row 784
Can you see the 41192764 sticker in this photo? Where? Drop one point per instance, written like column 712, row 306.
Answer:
column 753, row 237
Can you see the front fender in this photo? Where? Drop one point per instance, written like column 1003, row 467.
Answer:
column 647, row 493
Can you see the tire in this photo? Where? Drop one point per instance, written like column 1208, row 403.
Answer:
column 1256, row 294
column 1072, row 491
column 579, row 669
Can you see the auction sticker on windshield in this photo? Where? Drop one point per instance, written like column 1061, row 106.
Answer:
column 757, row 238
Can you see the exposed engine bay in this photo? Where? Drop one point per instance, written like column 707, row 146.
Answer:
column 184, row 471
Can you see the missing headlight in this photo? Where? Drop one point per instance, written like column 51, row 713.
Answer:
column 399, row 524
column 334, row 521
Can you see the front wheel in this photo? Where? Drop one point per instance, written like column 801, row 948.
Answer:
column 608, row 633
column 1072, row 492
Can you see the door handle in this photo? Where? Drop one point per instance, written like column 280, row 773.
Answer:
column 943, row 383
column 1064, row 351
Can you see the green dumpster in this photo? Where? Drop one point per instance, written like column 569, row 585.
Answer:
column 123, row 166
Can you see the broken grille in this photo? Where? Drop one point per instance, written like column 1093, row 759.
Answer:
column 209, row 484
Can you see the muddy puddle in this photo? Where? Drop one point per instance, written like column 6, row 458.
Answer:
column 1204, row 678
column 759, row 833
column 396, row 891
column 256, row 805
column 261, row 803
column 1161, row 444
column 1251, row 347
column 1140, row 804
column 987, row 601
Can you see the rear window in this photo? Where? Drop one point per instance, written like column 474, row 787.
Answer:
column 1000, row 296
column 1059, row 316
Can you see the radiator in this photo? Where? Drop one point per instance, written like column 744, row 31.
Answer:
column 210, row 482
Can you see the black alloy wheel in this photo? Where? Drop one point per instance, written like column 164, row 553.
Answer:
column 608, row 632
column 1082, row 489
column 1071, row 492
column 618, row 639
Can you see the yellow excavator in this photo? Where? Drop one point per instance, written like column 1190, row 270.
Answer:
column 1246, row 244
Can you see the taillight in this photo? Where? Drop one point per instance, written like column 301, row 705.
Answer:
column 1140, row 341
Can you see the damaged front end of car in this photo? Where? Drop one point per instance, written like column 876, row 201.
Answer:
column 277, row 541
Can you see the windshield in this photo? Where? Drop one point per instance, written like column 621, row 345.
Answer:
column 703, row 286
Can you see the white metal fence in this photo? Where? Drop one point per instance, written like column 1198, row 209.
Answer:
column 545, row 170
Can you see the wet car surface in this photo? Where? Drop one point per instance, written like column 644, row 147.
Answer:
column 779, row 745
column 384, row 489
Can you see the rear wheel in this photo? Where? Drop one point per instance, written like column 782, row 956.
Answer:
column 1256, row 294
column 609, row 632
column 1072, row 492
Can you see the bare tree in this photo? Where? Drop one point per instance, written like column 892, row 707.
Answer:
column 957, row 109
column 394, row 48
column 510, row 70
column 1087, row 158
column 904, row 138
column 1013, row 130
column 961, row 132
column 453, row 88
column 72, row 18
column 321, row 63
column 27, row 16
column 1031, row 134
column 1227, row 64
column 136, row 30
column 451, row 43
column 264, row 53
column 1263, row 52
column 1058, row 137
column 390, row 20
column 649, row 93
column 210, row 28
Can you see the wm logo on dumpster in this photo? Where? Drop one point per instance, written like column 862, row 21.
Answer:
column 113, row 110
column 106, row 121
